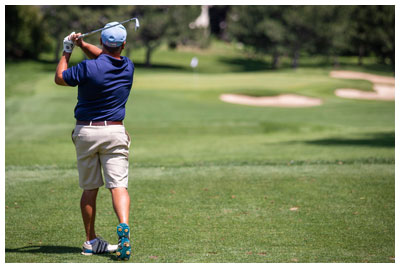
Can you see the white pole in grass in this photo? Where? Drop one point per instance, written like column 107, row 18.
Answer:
column 194, row 63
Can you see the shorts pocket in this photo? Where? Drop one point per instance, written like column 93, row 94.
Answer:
column 72, row 136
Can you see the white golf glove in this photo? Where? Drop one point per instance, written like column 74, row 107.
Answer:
column 68, row 44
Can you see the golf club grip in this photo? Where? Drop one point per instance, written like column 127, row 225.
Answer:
column 101, row 29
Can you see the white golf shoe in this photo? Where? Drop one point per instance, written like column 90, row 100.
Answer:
column 99, row 246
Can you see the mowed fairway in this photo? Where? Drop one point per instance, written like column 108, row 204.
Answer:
column 209, row 181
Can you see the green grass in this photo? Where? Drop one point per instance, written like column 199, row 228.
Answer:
column 238, row 213
column 209, row 181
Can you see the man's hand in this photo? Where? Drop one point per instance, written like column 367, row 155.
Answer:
column 77, row 41
column 68, row 43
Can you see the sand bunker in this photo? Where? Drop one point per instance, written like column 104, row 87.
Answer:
column 383, row 86
column 383, row 90
column 287, row 100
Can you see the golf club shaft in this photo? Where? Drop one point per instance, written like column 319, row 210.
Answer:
column 122, row 22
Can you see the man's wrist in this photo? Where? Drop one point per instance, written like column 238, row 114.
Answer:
column 67, row 55
column 83, row 44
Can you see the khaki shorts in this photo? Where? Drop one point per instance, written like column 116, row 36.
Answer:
column 102, row 147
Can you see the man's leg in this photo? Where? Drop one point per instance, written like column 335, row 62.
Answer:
column 121, row 203
column 114, row 160
column 88, row 209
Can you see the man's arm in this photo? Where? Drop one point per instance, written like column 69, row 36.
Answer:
column 91, row 51
column 61, row 67
column 63, row 63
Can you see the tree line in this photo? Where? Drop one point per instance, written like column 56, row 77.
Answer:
column 267, row 30
column 316, row 30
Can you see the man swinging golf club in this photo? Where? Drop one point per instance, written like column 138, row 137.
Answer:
column 101, row 141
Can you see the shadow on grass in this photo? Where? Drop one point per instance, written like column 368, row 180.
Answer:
column 161, row 67
column 254, row 64
column 45, row 249
column 386, row 139
column 55, row 250
column 371, row 67
column 247, row 65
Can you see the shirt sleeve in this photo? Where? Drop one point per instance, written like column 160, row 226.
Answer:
column 75, row 75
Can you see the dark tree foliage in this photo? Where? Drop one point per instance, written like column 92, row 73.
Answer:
column 158, row 24
column 178, row 31
column 218, row 24
column 154, row 24
column 322, row 30
column 260, row 27
column 272, row 30
column 62, row 20
column 25, row 36
column 373, row 31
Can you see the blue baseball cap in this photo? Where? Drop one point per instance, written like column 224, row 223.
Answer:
column 115, row 36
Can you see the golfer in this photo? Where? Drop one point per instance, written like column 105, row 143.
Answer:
column 101, row 141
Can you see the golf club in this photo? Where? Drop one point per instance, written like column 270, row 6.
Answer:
column 101, row 29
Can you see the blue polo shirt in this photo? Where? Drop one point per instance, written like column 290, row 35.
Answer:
column 104, row 85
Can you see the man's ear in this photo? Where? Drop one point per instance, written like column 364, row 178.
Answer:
column 123, row 45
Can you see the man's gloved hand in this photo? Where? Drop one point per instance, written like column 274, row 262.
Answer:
column 68, row 43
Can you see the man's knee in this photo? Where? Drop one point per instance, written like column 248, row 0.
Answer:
column 90, row 193
column 116, row 190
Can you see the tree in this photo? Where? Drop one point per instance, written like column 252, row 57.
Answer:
column 27, row 26
column 383, row 43
column 299, row 25
column 260, row 27
column 178, row 31
column 290, row 29
column 218, row 15
column 153, row 27
column 330, row 26
column 24, row 37
column 373, row 30
column 163, row 24
column 62, row 20
column 329, row 30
